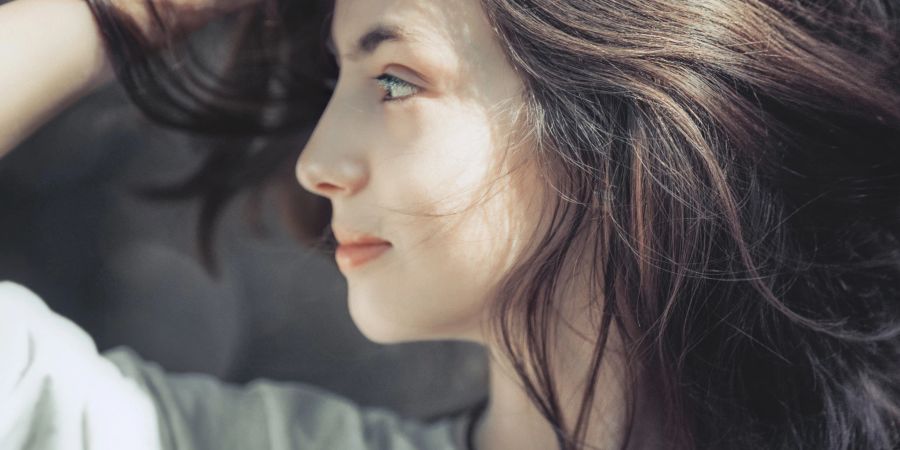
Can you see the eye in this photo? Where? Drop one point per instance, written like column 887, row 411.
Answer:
column 396, row 88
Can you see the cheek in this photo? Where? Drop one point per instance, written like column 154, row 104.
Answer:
column 449, row 170
column 458, row 224
column 463, row 222
column 444, row 155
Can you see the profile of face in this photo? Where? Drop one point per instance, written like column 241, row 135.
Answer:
column 419, row 147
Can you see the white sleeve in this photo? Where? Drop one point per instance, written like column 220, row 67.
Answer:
column 57, row 392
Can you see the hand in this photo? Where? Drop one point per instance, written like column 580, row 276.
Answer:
column 178, row 16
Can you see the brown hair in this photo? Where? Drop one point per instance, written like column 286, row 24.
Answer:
column 732, row 168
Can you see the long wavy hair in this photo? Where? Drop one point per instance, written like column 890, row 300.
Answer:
column 728, row 172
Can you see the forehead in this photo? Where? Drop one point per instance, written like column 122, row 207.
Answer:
column 453, row 37
column 451, row 24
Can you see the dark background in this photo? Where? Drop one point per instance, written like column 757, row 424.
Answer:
column 74, row 230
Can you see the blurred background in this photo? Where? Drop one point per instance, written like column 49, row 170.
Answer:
column 74, row 229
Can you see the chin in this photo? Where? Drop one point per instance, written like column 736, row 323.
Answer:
column 374, row 323
column 381, row 325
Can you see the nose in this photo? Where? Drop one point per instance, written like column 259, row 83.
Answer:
column 333, row 175
column 334, row 163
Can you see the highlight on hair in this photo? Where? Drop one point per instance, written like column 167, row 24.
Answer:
column 730, row 169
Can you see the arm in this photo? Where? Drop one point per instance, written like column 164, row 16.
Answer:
column 51, row 53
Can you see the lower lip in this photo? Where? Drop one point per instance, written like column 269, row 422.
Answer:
column 353, row 256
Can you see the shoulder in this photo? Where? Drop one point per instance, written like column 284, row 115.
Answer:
column 56, row 390
column 37, row 342
column 53, row 378
column 278, row 415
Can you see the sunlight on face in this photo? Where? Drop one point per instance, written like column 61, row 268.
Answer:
column 418, row 147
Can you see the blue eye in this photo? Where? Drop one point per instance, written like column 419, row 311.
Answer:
column 396, row 88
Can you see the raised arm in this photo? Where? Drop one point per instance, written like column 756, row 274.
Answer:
column 51, row 53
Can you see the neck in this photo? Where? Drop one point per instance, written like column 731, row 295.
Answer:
column 512, row 420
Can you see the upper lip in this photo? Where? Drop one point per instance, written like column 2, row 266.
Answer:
column 348, row 237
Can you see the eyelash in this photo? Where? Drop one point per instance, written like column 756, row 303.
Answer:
column 390, row 82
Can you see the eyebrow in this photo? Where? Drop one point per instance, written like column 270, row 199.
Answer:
column 369, row 41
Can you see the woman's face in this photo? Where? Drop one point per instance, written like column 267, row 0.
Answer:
column 418, row 147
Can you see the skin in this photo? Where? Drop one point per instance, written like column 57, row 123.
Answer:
column 446, row 176
column 31, row 33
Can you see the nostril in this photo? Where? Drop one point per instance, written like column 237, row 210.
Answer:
column 342, row 176
column 327, row 187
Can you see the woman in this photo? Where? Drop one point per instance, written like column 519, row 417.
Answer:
column 672, row 224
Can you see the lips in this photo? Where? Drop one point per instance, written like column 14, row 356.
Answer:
column 357, row 249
